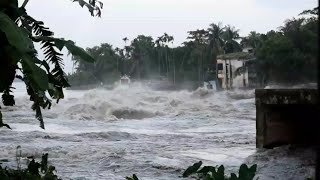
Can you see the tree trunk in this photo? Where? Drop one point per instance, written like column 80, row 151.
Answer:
column 199, row 72
column 159, row 63
column 118, row 64
column 138, row 69
column 174, row 72
column 167, row 62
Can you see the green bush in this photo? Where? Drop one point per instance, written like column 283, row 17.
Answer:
column 217, row 173
column 34, row 171
column 214, row 173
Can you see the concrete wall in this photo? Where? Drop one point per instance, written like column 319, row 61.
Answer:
column 287, row 116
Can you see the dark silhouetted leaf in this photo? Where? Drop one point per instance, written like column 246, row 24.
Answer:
column 15, row 35
column 206, row 169
column 8, row 99
column 220, row 173
column 78, row 51
column 233, row 176
column 192, row 169
column 38, row 75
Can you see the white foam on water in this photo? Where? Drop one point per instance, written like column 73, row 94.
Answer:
column 100, row 133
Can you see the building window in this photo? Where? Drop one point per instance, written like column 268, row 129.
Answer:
column 220, row 66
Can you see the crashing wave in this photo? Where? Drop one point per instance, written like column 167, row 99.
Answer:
column 110, row 135
column 127, row 113
column 241, row 94
column 201, row 92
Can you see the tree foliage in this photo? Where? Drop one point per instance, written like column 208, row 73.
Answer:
column 146, row 57
column 34, row 171
column 290, row 54
column 285, row 55
column 18, row 33
column 214, row 173
column 218, row 173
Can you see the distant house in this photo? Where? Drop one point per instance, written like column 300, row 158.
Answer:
column 236, row 70
column 125, row 80
column 248, row 49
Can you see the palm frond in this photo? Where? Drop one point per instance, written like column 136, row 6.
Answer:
column 57, row 76
column 37, row 27
column 92, row 6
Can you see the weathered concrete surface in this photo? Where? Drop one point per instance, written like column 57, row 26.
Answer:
column 287, row 116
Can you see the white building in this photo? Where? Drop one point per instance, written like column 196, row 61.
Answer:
column 125, row 80
column 232, row 71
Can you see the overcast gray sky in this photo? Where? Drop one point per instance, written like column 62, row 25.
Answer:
column 129, row 18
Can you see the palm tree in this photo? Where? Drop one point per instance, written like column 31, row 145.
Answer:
column 125, row 40
column 166, row 39
column 159, row 42
column 253, row 40
column 215, row 34
column 216, row 42
column 122, row 60
column 118, row 52
column 126, row 51
column 171, row 39
column 230, row 36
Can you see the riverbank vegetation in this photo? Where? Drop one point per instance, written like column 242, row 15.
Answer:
column 34, row 170
column 44, row 171
column 286, row 55
column 214, row 173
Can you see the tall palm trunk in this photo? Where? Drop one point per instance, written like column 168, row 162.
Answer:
column 174, row 69
column 201, row 69
column 167, row 62
column 174, row 73
column 159, row 63
column 180, row 68
column 199, row 72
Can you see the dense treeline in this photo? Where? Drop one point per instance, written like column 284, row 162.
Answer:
column 290, row 54
column 286, row 55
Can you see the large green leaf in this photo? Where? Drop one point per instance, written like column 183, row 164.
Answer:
column 78, row 51
column 16, row 36
column 59, row 43
column 39, row 75
column 90, row 7
column 70, row 45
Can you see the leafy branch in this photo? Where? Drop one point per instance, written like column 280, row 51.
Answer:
column 92, row 5
column 18, row 33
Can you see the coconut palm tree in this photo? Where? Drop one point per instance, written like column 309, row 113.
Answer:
column 125, row 39
column 215, row 38
column 166, row 39
column 230, row 37
column 253, row 40
column 159, row 44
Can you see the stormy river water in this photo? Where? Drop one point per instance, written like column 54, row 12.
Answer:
column 110, row 134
